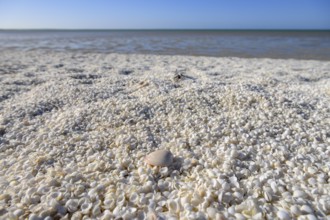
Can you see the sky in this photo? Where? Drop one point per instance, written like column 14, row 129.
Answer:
column 165, row 14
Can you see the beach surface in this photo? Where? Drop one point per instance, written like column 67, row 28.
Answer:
column 250, row 138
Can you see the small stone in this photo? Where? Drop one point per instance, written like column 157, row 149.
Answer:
column 159, row 158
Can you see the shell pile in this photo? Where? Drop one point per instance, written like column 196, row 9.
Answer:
column 250, row 137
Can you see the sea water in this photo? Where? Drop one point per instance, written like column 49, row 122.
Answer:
column 220, row 43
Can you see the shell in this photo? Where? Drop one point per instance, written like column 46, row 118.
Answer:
column 305, row 209
column 96, row 210
column 299, row 194
column 173, row 206
column 18, row 212
column 282, row 214
column 268, row 196
column 76, row 216
column 86, row 207
column 211, row 212
column 239, row 216
column 295, row 210
column 159, row 158
column 134, row 197
column 72, row 205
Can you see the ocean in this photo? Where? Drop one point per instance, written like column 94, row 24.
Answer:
column 219, row 43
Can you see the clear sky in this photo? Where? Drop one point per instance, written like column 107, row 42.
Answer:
column 165, row 14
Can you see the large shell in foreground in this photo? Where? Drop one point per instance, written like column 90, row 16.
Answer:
column 159, row 158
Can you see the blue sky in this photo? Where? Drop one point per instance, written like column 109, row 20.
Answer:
column 165, row 14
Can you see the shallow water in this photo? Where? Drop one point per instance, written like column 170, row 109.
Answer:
column 272, row 44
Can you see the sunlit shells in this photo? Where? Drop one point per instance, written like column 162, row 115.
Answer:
column 295, row 210
column 283, row 215
column 268, row 196
column 159, row 158
column 234, row 138
column 72, row 205
column 305, row 209
column 299, row 194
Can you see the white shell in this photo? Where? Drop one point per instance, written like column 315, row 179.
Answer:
column 311, row 217
column 295, row 210
column 76, row 216
column 159, row 158
column 282, row 214
column 72, row 205
column 173, row 206
column 134, row 197
column 96, row 210
column 268, row 196
column 33, row 217
column 18, row 212
column 305, row 209
column 239, row 216
column 86, row 207
column 299, row 194
column 211, row 212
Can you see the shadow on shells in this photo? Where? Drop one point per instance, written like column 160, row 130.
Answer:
column 12, row 68
column 180, row 75
column 85, row 76
column 2, row 131
column 177, row 163
column 125, row 72
column 173, row 170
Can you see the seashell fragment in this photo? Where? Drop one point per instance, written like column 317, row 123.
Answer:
column 211, row 212
column 85, row 208
column 173, row 206
column 282, row 214
column 239, row 216
column 268, row 196
column 159, row 158
column 33, row 217
column 299, row 194
column 311, row 217
column 72, row 205
column 18, row 212
column 295, row 210
column 305, row 209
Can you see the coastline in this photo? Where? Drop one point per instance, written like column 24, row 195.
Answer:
column 278, row 44
column 249, row 137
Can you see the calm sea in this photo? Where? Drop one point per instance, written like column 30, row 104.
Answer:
column 272, row 44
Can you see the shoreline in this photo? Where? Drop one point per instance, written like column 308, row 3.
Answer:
column 254, row 44
column 249, row 136
column 80, row 51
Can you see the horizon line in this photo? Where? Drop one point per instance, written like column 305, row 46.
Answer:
column 161, row 29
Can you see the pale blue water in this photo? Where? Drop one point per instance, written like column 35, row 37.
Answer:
column 272, row 44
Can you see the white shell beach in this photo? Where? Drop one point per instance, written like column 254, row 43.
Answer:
column 250, row 138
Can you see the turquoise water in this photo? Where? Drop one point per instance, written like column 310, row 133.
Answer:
column 252, row 44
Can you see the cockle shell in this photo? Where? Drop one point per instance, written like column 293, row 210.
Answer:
column 283, row 215
column 159, row 158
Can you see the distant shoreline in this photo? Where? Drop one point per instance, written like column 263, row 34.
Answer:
column 185, row 30
column 285, row 44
